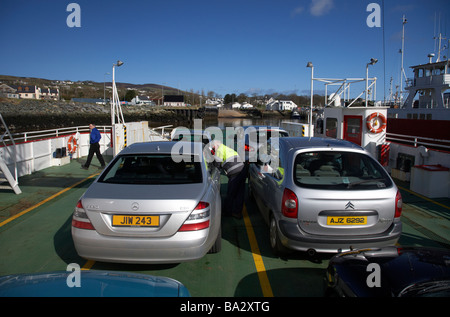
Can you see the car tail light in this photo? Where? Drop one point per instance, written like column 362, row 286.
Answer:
column 80, row 219
column 248, row 148
column 398, row 204
column 82, row 225
column 202, row 205
column 198, row 219
column 194, row 226
column 289, row 204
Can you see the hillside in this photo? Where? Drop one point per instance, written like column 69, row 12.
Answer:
column 90, row 89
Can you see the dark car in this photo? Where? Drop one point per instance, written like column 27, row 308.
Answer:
column 390, row 272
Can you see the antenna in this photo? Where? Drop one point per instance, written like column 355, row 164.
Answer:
column 438, row 39
column 402, row 71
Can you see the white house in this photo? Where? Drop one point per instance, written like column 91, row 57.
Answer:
column 49, row 93
column 8, row 91
column 142, row 100
column 236, row 105
column 214, row 102
column 281, row 105
column 246, row 105
column 28, row 92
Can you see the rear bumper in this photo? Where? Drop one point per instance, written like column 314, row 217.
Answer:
column 293, row 238
column 181, row 247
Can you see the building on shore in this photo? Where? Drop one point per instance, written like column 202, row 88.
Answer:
column 281, row 105
column 29, row 92
column 8, row 91
column 174, row 101
column 49, row 93
column 142, row 101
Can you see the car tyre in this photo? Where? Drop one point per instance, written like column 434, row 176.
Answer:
column 277, row 247
column 217, row 246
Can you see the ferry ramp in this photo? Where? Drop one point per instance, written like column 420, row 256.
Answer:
column 35, row 236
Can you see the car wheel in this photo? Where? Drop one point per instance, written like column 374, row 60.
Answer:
column 275, row 244
column 217, row 246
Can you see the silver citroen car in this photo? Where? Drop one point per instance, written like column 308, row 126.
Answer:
column 156, row 202
column 324, row 195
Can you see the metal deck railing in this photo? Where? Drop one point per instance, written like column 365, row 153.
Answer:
column 5, row 173
column 29, row 136
column 415, row 141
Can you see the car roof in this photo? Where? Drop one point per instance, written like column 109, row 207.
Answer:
column 192, row 131
column 163, row 147
column 316, row 142
column 265, row 127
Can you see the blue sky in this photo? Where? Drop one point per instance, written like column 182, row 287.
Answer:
column 227, row 46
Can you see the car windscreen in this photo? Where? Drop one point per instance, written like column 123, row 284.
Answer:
column 339, row 170
column 153, row 170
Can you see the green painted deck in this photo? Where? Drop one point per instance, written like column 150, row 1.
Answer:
column 35, row 237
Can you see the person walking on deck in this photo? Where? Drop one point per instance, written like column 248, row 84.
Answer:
column 94, row 147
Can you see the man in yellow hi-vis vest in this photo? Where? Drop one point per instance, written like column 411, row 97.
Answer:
column 236, row 171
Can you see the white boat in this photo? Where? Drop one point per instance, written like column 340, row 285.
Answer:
column 418, row 130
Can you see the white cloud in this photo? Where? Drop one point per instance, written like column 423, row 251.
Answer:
column 297, row 11
column 321, row 7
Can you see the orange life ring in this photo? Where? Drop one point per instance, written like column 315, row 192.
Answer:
column 72, row 144
column 374, row 120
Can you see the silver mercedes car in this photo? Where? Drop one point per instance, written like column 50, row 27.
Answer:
column 156, row 202
column 324, row 195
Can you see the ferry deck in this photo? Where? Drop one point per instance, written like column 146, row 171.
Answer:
column 35, row 237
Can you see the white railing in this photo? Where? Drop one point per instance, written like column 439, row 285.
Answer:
column 158, row 132
column 22, row 137
column 6, row 174
column 37, row 149
column 418, row 140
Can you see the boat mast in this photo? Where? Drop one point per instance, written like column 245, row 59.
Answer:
column 402, row 71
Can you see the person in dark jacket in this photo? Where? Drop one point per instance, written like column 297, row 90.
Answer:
column 94, row 147
column 236, row 171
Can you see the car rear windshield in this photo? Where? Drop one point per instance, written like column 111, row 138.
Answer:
column 153, row 169
column 339, row 170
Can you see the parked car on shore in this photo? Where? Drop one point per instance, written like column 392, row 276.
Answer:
column 324, row 195
column 151, row 206
column 390, row 272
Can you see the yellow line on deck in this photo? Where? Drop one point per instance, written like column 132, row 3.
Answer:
column 259, row 264
column 44, row 201
column 423, row 197
column 88, row 265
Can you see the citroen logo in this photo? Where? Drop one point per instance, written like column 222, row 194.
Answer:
column 349, row 205
column 134, row 206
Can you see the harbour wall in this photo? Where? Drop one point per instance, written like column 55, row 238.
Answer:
column 23, row 115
